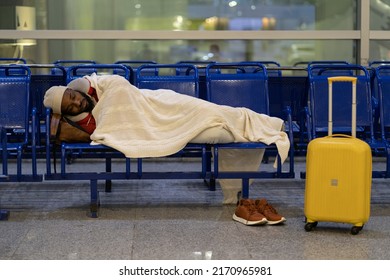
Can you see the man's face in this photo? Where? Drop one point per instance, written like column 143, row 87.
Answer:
column 75, row 102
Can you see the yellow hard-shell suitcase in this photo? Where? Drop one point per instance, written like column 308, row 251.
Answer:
column 338, row 175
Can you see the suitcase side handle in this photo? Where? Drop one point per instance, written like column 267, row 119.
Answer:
column 353, row 80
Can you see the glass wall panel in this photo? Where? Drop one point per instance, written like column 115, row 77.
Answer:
column 285, row 52
column 380, row 15
column 176, row 15
column 179, row 14
column 379, row 50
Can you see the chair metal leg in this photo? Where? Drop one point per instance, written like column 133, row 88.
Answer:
column 108, row 170
column 4, row 214
column 95, row 201
column 245, row 188
column 387, row 175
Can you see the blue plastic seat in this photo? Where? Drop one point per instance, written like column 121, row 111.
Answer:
column 234, row 86
column 342, row 100
column 382, row 74
column 291, row 92
column 374, row 89
column 168, row 76
column 43, row 77
column 342, row 104
column 183, row 79
column 17, row 120
column 201, row 66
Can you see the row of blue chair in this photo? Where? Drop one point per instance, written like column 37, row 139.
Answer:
column 285, row 91
column 249, row 81
column 17, row 120
column 243, row 85
column 223, row 84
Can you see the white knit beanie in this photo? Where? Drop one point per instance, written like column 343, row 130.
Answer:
column 53, row 98
column 80, row 84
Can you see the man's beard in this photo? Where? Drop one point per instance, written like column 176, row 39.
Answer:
column 90, row 103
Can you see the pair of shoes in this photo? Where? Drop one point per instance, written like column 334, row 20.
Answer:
column 247, row 213
column 256, row 212
column 269, row 212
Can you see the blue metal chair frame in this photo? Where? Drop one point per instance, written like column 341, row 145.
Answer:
column 85, row 149
column 12, row 61
column 234, row 86
column 274, row 72
column 318, row 107
column 17, row 119
column 4, row 214
column 133, row 66
column 40, row 83
column 375, row 94
column 345, row 72
column 183, row 79
column 69, row 63
column 3, row 138
column 201, row 66
column 382, row 74
column 342, row 104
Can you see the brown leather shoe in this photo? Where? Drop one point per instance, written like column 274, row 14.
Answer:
column 247, row 214
column 269, row 212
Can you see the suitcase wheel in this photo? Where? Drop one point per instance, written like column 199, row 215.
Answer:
column 356, row 229
column 310, row 226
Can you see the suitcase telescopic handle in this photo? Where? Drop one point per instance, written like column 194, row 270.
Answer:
column 353, row 80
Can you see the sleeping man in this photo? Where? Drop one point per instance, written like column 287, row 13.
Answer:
column 144, row 123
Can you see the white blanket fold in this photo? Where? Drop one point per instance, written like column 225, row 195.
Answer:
column 154, row 123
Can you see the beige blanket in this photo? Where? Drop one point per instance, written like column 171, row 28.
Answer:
column 157, row 123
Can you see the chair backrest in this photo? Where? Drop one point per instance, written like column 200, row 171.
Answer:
column 382, row 74
column 270, row 64
column 134, row 64
column 377, row 63
column 234, row 86
column 14, row 101
column 291, row 91
column 201, row 66
column 168, row 78
column 78, row 71
column 330, row 62
column 41, row 82
column 68, row 63
column 372, row 66
column 342, row 99
column 12, row 61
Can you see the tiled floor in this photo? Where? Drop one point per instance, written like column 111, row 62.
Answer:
column 176, row 219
